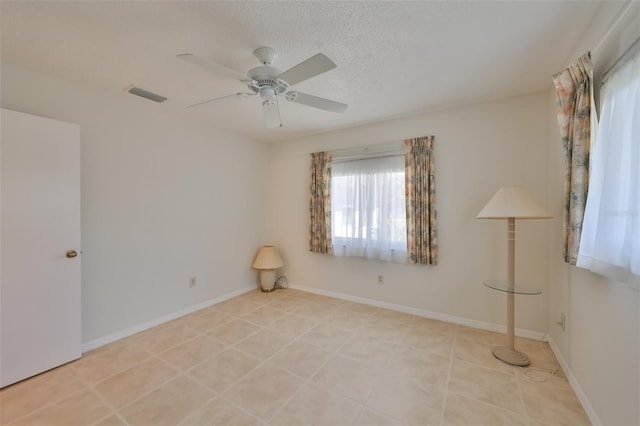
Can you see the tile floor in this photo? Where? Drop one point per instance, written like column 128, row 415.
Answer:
column 295, row 358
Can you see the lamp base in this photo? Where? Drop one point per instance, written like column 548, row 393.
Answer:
column 268, row 280
column 510, row 356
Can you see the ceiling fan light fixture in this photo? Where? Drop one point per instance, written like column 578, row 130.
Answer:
column 271, row 113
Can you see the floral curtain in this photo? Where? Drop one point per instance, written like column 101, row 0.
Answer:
column 420, row 195
column 574, row 104
column 320, row 203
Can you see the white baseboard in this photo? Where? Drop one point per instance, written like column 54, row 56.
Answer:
column 529, row 334
column 586, row 404
column 96, row 343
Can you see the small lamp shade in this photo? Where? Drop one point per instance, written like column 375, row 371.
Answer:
column 513, row 201
column 268, row 258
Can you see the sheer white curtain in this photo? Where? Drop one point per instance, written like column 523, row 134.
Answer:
column 610, row 242
column 368, row 208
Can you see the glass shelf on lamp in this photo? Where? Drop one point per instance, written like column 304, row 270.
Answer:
column 502, row 285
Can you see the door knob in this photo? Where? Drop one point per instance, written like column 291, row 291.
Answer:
column 71, row 254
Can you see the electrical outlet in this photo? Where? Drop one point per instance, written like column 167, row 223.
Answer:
column 192, row 282
column 380, row 279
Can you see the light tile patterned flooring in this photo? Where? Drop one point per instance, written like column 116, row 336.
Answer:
column 295, row 358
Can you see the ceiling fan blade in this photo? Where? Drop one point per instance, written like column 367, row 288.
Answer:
column 240, row 94
column 316, row 102
column 211, row 66
column 313, row 66
column 271, row 114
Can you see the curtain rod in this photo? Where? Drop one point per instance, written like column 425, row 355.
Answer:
column 613, row 25
column 394, row 153
column 635, row 47
column 369, row 151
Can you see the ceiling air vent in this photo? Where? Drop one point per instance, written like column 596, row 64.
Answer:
column 146, row 94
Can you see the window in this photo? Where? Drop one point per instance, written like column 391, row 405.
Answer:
column 610, row 241
column 368, row 211
column 382, row 206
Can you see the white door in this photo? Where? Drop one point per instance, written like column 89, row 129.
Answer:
column 40, row 230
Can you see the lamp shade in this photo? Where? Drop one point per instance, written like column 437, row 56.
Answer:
column 513, row 201
column 268, row 258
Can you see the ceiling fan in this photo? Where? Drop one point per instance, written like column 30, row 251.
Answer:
column 270, row 82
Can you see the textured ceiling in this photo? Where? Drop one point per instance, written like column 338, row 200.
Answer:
column 394, row 58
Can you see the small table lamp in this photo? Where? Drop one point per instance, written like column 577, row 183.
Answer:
column 511, row 203
column 268, row 260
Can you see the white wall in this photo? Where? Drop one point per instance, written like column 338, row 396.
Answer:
column 163, row 199
column 478, row 149
column 601, row 344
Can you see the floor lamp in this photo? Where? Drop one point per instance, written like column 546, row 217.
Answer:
column 511, row 203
